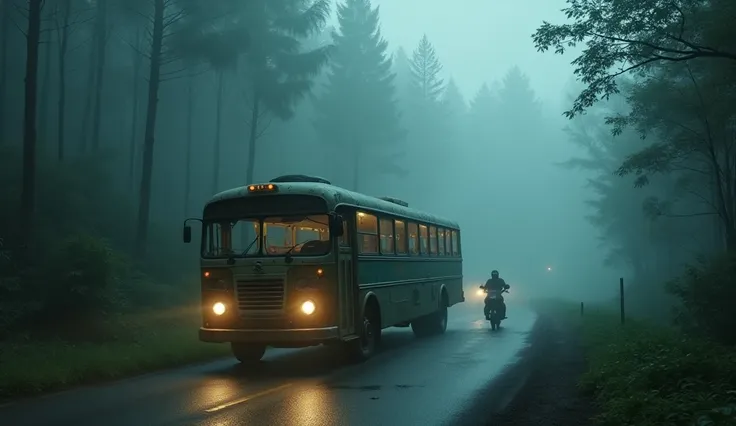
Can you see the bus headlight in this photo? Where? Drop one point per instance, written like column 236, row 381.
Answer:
column 308, row 307
column 218, row 308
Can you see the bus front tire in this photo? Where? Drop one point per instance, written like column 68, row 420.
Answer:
column 248, row 353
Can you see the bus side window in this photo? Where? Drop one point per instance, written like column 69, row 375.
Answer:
column 400, row 231
column 413, row 239
column 448, row 242
column 386, row 230
column 455, row 247
column 441, row 241
column 423, row 246
column 367, row 233
column 433, row 241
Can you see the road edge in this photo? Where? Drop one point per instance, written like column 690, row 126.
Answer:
column 500, row 392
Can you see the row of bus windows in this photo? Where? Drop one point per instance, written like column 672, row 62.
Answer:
column 394, row 236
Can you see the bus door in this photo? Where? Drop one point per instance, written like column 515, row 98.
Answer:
column 347, row 288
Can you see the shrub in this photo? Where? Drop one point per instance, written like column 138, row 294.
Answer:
column 650, row 376
column 707, row 292
column 84, row 278
column 80, row 267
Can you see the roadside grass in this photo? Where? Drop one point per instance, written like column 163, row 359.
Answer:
column 647, row 375
column 145, row 343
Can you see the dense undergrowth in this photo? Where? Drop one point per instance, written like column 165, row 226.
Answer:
column 647, row 372
column 647, row 375
column 78, row 304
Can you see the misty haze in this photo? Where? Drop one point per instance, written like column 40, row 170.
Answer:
column 367, row 212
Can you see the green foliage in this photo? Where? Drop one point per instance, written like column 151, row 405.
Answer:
column 83, row 276
column 154, row 342
column 706, row 292
column 627, row 35
column 280, row 71
column 78, row 277
column 649, row 376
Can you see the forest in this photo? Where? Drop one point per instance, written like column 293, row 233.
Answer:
column 664, row 162
column 119, row 119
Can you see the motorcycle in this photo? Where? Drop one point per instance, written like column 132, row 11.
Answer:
column 494, row 316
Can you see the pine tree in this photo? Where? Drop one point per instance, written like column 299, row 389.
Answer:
column 401, row 66
column 425, row 70
column 516, row 94
column 279, row 70
column 453, row 101
column 483, row 107
column 517, row 103
column 357, row 113
column 455, row 113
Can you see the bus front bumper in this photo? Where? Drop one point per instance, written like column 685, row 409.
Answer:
column 293, row 335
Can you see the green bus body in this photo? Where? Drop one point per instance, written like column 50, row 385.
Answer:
column 264, row 294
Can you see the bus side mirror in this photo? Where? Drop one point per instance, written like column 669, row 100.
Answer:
column 187, row 234
column 336, row 228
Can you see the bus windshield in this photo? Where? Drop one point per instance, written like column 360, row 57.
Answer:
column 231, row 238
column 295, row 235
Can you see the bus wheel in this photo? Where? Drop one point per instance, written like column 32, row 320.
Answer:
column 248, row 353
column 440, row 319
column 434, row 323
column 366, row 345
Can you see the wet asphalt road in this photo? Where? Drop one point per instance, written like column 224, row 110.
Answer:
column 411, row 382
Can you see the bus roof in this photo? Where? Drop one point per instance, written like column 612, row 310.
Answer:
column 335, row 196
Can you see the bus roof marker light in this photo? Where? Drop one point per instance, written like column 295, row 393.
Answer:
column 263, row 188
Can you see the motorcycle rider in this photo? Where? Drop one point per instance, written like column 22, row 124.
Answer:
column 498, row 284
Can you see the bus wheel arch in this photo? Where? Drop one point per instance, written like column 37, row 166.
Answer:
column 444, row 297
column 441, row 314
column 372, row 311
column 436, row 322
column 368, row 328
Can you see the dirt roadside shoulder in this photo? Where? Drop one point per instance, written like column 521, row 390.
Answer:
column 541, row 389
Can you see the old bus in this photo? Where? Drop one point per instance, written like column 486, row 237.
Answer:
column 298, row 262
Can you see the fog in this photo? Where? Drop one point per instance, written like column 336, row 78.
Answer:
column 523, row 226
column 458, row 114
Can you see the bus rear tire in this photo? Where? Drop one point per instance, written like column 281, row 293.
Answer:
column 248, row 353
column 432, row 324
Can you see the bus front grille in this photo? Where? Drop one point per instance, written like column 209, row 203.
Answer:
column 263, row 295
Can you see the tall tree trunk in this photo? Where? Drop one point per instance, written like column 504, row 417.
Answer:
column 87, row 111
column 188, row 164
column 218, row 134
column 154, row 81
column 43, row 108
column 4, row 33
column 137, row 63
column 255, row 115
column 28, row 192
column 63, row 34
column 100, row 45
